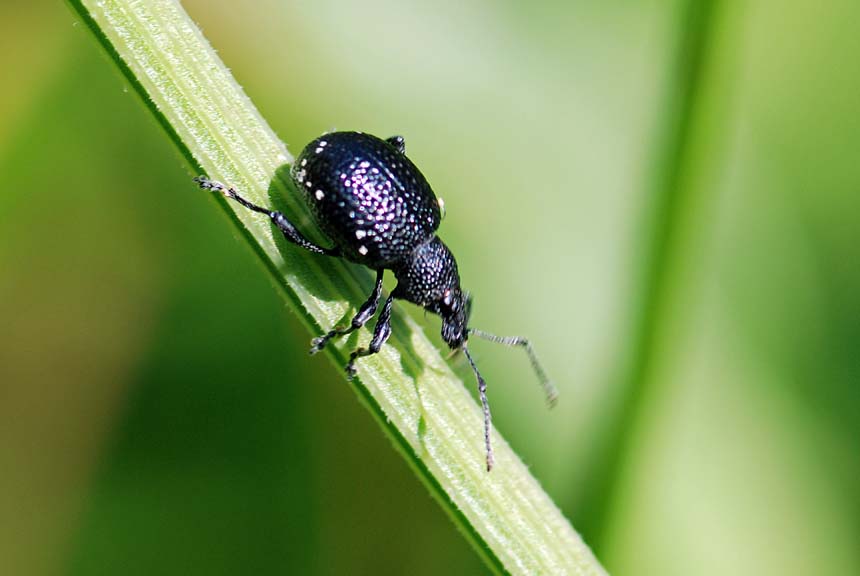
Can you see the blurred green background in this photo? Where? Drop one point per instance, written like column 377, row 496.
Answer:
column 663, row 195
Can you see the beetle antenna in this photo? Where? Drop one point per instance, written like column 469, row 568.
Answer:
column 549, row 388
column 482, row 392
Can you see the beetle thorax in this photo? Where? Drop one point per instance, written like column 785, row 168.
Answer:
column 429, row 278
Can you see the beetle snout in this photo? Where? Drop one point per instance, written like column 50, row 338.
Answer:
column 454, row 315
column 454, row 333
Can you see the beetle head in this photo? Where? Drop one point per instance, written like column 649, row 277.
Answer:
column 454, row 308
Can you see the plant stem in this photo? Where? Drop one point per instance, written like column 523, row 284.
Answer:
column 408, row 387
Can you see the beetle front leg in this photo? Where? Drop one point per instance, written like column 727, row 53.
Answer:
column 380, row 334
column 365, row 313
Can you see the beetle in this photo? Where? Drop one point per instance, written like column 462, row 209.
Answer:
column 378, row 210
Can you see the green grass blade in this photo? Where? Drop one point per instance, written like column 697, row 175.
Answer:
column 669, row 201
column 408, row 387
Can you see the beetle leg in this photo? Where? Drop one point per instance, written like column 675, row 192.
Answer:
column 380, row 334
column 365, row 313
column 398, row 142
column 285, row 226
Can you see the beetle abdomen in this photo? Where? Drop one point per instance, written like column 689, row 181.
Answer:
column 367, row 197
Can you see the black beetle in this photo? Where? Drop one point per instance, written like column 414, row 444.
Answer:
column 378, row 210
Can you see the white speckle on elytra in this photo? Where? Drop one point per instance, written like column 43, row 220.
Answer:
column 308, row 184
column 360, row 234
column 323, row 143
column 304, row 162
column 319, row 194
column 362, row 250
column 318, row 150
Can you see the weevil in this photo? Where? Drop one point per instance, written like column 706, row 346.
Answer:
column 378, row 210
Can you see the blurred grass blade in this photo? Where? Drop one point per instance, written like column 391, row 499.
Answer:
column 669, row 204
column 412, row 392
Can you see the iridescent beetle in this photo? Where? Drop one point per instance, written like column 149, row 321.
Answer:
column 377, row 208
